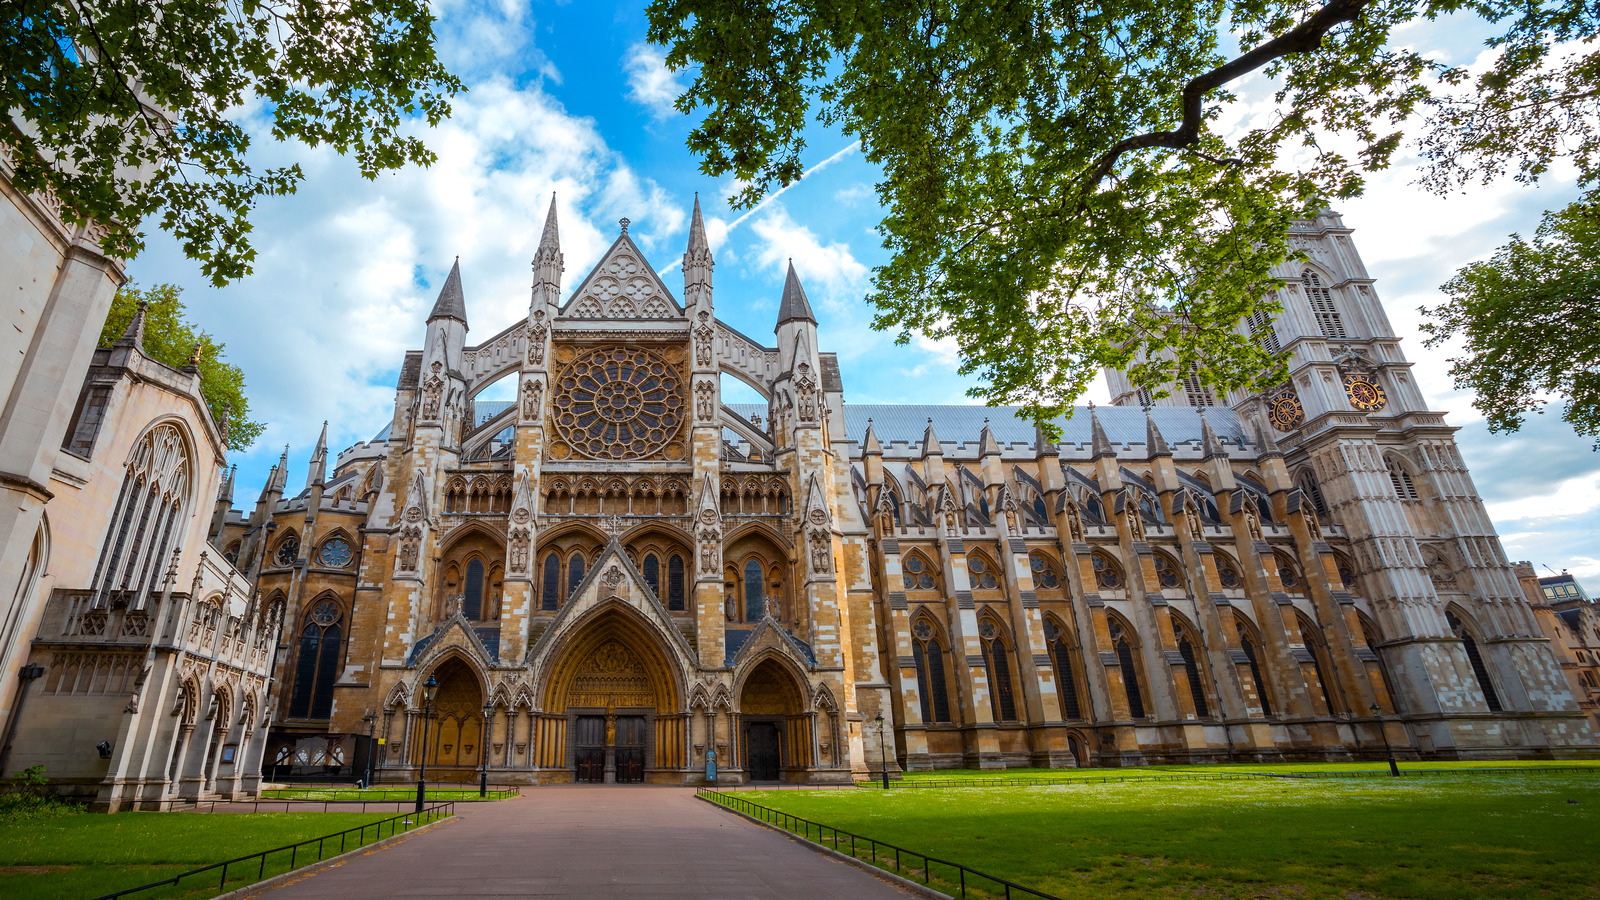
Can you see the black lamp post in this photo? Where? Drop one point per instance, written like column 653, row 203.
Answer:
column 1394, row 768
column 370, row 719
column 883, row 752
column 483, row 770
column 429, row 689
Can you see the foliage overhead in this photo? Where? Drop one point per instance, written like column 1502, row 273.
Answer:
column 171, row 339
column 1069, row 186
column 1526, row 317
column 125, row 109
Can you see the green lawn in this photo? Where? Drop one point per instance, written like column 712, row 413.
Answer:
column 395, row 793
column 1238, row 768
column 88, row 855
column 1447, row 836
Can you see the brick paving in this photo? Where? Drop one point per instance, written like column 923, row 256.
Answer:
column 593, row 841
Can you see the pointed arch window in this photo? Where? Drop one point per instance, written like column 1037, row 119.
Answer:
column 1045, row 573
column 1191, row 669
column 1261, row 330
column 1287, row 573
column 1197, row 392
column 574, row 574
column 1129, row 670
column 148, row 516
column 916, row 574
column 1252, row 658
column 551, row 593
column 1066, row 678
column 1475, row 658
column 1167, row 571
column 1322, row 306
column 1307, row 482
column 675, row 583
column 317, row 666
column 472, row 595
column 981, row 572
column 1318, row 648
column 755, row 602
column 1002, row 697
column 927, row 654
column 1400, row 479
column 652, row 573
column 1107, row 574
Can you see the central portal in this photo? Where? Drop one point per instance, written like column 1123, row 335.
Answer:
column 619, row 696
column 623, row 739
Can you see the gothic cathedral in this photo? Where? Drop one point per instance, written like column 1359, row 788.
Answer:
column 619, row 577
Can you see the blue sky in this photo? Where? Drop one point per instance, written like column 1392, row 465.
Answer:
column 569, row 98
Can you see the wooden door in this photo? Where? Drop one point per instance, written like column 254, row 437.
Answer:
column 761, row 751
column 630, row 749
column 590, row 745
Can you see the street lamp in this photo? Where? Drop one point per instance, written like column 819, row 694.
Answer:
column 1394, row 768
column 483, row 770
column 429, row 689
column 883, row 752
column 370, row 719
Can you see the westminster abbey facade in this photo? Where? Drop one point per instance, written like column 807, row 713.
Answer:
column 617, row 575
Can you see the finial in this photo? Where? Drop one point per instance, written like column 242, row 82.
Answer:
column 624, row 223
column 194, row 358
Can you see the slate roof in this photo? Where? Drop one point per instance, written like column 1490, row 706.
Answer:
column 961, row 424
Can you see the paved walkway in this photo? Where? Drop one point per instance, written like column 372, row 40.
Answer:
column 594, row 841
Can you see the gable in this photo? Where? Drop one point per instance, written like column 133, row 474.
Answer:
column 622, row 285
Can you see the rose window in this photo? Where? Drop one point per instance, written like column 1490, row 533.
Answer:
column 618, row 403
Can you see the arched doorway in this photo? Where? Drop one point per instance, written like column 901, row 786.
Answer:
column 618, row 698
column 775, row 731
column 455, row 733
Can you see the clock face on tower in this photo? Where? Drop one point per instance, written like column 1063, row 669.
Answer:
column 1365, row 393
column 1284, row 409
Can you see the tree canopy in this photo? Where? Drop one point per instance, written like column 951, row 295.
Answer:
column 170, row 338
column 1069, row 186
column 1527, row 319
column 128, row 109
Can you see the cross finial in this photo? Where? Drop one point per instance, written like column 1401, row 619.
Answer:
column 624, row 223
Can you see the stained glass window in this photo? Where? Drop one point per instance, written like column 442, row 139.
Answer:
column 335, row 553
column 916, row 574
column 981, row 573
column 288, row 551
column 1044, row 570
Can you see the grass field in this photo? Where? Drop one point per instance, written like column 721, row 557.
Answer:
column 395, row 793
column 1448, row 836
column 1238, row 768
column 88, row 855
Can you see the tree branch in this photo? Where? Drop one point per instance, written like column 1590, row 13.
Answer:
column 1303, row 38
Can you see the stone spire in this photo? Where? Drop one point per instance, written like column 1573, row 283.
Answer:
column 1265, row 440
column 1043, row 447
column 1210, row 445
column 1101, row 445
column 280, row 473
column 317, row 470
column 548, row 263
column 225, row 493
column 987, row 445
column 930, row 441
column 869, row 442
column 451, row 304
column 133, row 335
column 697, row 263
column 794, row 305
column 1155, row 444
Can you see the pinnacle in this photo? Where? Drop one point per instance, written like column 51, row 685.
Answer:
column 795, row 306
column 451, row 304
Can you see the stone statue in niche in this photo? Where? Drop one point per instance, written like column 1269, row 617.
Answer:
column 519, row 550
column 1074, row 520
column 1135, row 521
column 821, row 552
column 705, row 400
column 702, row 341
column 1252, row 521
column 532, row 399
column 710, row 540
column 430, row 398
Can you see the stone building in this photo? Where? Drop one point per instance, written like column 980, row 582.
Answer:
column 151, row 663
column 617, row 574
column 1571, row 621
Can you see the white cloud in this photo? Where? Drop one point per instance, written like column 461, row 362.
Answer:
column 784, row 240
column 1565, row 500
column 650, row 83
column 348, row 269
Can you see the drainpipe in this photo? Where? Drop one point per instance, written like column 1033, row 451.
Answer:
column 27, row 674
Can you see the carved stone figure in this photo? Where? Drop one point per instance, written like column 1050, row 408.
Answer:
column 821, row 552
column 532, row 399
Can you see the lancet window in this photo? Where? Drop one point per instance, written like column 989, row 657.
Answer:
column 927, row 653
column 317, row 665
column 148, row 518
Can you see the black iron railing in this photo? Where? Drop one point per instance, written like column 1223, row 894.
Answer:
column 951, row 877
column 1032, row 782
column 295, row 855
